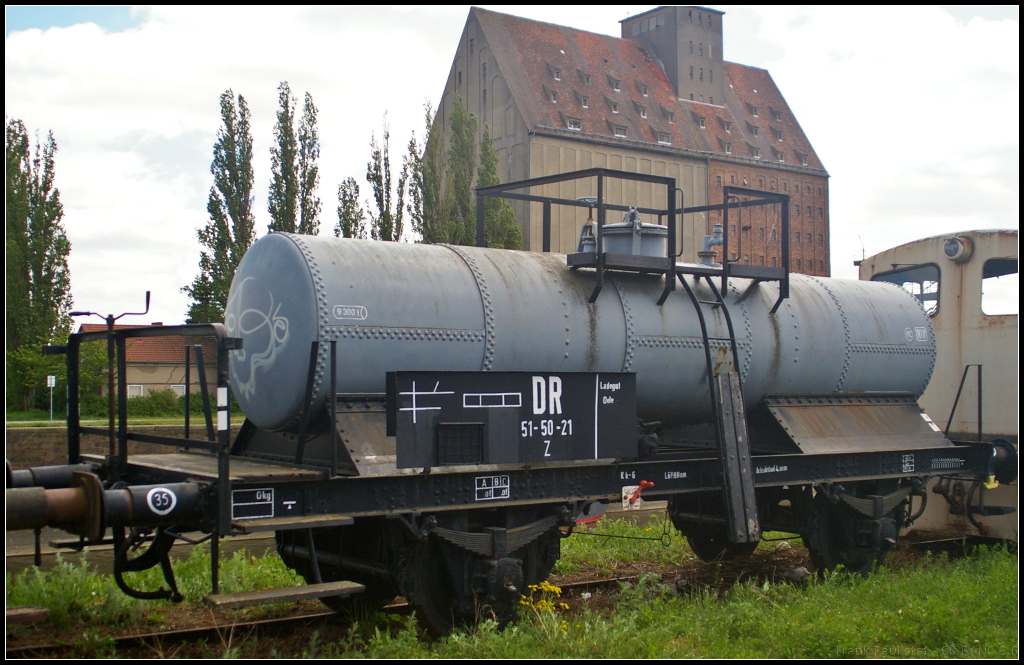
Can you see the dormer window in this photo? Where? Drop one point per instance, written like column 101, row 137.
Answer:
column 553, row 96
column 757, row 153
column 620, row 131
column 585, row 102
column 776, row 114
column 728, row 151
column 803, row 160
column 671, row 116
column 728, row 127
column 574, row 125
column 753, row 110
column 664, row 138
column 586, row 79
column 557, row 73
column 615, row 107
column 615, row 84
column 778, row 134
column 643, row 89
column 643, row 112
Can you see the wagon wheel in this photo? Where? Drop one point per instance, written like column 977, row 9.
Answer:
column 831, row 538
column 710, row 543
column 435, row 597
column 364, row 540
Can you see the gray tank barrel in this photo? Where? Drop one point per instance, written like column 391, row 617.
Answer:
column 398, row 306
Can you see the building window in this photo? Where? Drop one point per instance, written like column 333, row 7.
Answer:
column 615, row 85
column 701, row 122
column 753, row 111
column 586, row 79
column 558, row 74
column 773, row 238
column 728, row 151
column 746, row 259
column 485, row 97
column 691, row 78
column 585, row 102
column 803, row 159
column 554, row 97
column 709, row 20
column 718, row 180
column 620, row 131
column 820, row 213
column 135, row 391
column 732, row 179
column 702, row 74
column 761, row 259
column 744, row 182
column 755, row 130
column 664, row 138
column 777, row 114
column 797, row 210
column 643, row 112
column 785, row 186
column 760, row 185
column 773, row 261
column 732, row 230
column 711, row 100
column 615, row 107
column 757, row 153
column 459, row 79
column 760, row 234
column 821, row 239
column 797, row 236
column 471, row 47
column 691, row 47
column 483, row 71
column 179, row 391
column 711, row 79
column 700, row 19
column 671, row 116
column 700, row 48
column 728, row 128
column 798, row 264
column 643, row 90
column 778, row 134
column 574, row 125
column 821, row 266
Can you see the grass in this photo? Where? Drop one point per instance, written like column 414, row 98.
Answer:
column 595, row 548
column 198, row 422
column 932, row 607
column 965, row 608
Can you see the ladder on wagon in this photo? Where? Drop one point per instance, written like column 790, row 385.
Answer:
column 724, row 387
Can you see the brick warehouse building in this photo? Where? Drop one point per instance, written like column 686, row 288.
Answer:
column 558, row 99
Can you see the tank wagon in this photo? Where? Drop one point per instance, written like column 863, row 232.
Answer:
column 967, row 283
column 431, row 421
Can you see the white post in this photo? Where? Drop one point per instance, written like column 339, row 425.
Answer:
column 51, row 381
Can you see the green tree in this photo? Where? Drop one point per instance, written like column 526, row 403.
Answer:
column 459, row 206
column 387, row 220
column 309, row 173
column 38, row 285
column 231, row 229
column 284, row 185
column 500, row 228
column 351, row 218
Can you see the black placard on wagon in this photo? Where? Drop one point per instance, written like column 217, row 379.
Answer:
column 457, row 418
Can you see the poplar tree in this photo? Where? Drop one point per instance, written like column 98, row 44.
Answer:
column 309, row 173
column 284, row 185
column 426, row 167
column 459, row 206
column 387, row 220
column 500, row 228
column 231, row 230
column 351, row 218
column 38, row 287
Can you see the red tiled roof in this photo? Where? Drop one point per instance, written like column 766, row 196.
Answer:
column 164, row 349
column 527, row 51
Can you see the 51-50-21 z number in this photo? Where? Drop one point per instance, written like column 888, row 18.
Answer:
column 546, row 428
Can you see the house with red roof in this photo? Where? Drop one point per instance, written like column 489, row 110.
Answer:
column 158, row 363
column 660, row 99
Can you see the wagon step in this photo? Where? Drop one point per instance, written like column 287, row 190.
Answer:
column 232, row 601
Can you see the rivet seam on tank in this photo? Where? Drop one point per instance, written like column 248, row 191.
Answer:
column 891, row 349
column 664, row 341
column 627, row 361
column 846, row 331
column 748, row 356
column 404, row 334
column 321, row 306
column 485, row 296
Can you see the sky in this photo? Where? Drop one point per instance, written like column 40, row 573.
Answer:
column 913, row 111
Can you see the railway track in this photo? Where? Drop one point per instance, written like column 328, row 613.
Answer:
column 225, row 632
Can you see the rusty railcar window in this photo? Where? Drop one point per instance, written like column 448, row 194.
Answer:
column 920, row 281
column 1000, row 287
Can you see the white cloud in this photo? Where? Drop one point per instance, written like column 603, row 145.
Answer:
column 914, row 113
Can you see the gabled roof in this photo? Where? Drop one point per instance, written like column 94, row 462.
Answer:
column 165, row 349
column 528, row 53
